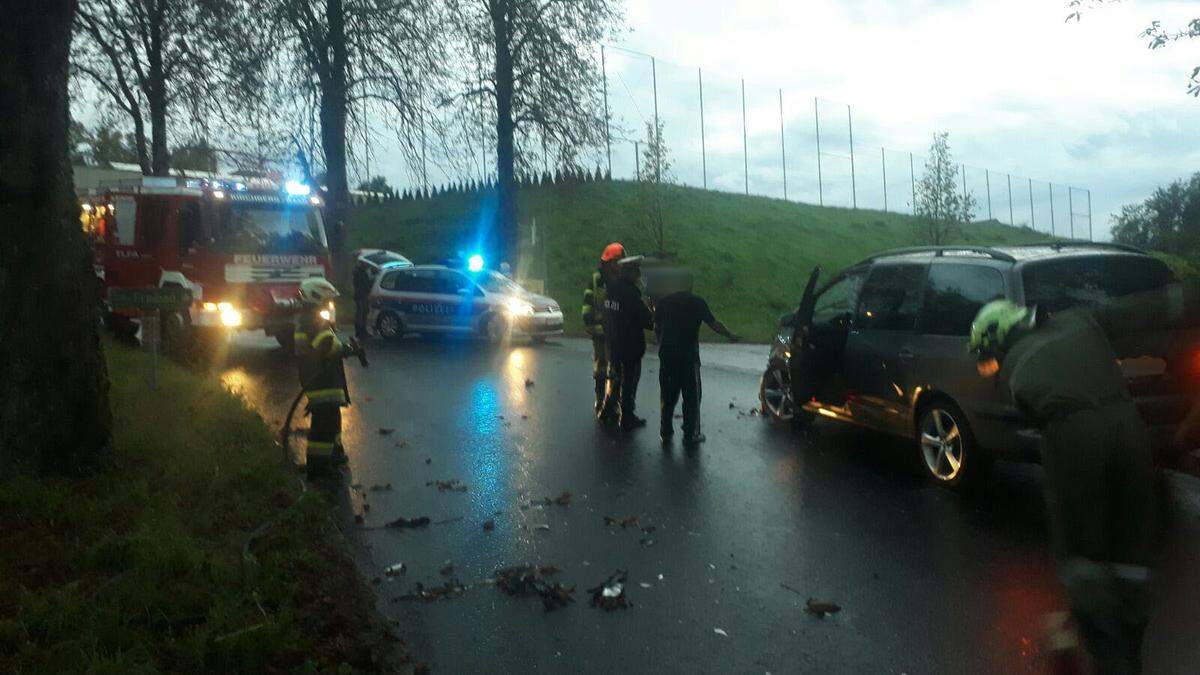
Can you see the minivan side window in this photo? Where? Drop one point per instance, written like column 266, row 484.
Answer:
column 891, row 297
column 954, row 294
column 838, row 299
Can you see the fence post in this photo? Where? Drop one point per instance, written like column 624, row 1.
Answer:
column 853, row 182
column 964, row 182
column 782, row 145
column 1089, row 194
column 912, row 178
column 987, row 179
column 1052, row 228
column 637, row 160
column 1012, row 219
column 607, row 131
column 883, row 165
column 1032, row 217
column 745, row 146
column 703, row 155
column 817, row 121
column 657, row 136
column 1071, row 208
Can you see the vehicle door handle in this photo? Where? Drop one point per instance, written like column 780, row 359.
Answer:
column 905, row 354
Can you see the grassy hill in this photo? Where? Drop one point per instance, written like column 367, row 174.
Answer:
column 751, row 255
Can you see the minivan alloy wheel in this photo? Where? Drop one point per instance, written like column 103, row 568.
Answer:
column 775, row 392
column 942, row 444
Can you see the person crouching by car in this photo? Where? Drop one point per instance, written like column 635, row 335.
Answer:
column 626, row 320
column 678, row 314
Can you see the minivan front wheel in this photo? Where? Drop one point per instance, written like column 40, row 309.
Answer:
column 775, row 395
column 947, row 445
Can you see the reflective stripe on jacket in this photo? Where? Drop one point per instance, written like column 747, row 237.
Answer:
column 319, row 354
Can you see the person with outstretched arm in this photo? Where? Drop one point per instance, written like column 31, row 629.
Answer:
column 677, row 319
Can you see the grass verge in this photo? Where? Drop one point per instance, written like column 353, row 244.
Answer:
column 164, row 562
column 751, row 255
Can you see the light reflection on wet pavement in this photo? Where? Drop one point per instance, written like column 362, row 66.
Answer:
column 929, row 581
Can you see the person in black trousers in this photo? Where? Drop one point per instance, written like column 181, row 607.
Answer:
column 362, row 289
column 626, row 318
column 677, row 319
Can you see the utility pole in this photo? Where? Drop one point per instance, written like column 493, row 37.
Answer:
column 1071, row 208
column 883, row 164
column 964, row 181
column 657, row 136
column 703, row 154
column 1089, row 194
column 745, row 146
column 987, row 179
column 1052, row 228
column 1032, row 221
column 1012, row 220
column 912, row 178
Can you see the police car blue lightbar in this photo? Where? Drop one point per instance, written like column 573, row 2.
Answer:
column 296, row 189
column 475, row 263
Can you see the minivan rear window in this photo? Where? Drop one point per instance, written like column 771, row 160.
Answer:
column 1055, row 285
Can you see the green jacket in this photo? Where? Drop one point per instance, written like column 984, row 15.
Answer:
column 319, row 354
column 593, row 305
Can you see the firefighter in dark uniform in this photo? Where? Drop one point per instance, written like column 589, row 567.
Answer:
column 593, row 317
column 626, row 320
column 319, row 354
column 1062, row 373
column 677, row 318
column 362, row 291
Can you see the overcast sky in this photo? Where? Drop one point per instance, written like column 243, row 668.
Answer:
column 1020, row 92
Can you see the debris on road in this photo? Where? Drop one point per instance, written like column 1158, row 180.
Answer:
column 610, row 594
column 447, row 568
column 524, row 416
column 646, row 585
column 721, row 632
column 528, row 383
column 409, row 522
column 366, row 507
column 397, row 570
column 489, row 525
column 526, row 580
column 428, row 460
column 794, row 590
column 358, row 518
column 401, row 444
column 623, row 522
column 562, row 500
column 820, row 609
column 543, row 527
column 646, row 542
column 453, row 485
column 381, row 488
column 385, row 431
column 452, row 588
column 732, row 405
column 648, row 529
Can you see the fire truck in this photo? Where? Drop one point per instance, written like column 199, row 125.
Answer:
column 241, row 247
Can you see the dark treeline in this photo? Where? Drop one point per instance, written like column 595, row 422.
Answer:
column 567, row 176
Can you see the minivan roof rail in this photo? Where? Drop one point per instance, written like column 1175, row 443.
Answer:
column 939, row 251
column 1060, row 245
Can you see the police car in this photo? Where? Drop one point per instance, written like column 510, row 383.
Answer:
column 441, row 299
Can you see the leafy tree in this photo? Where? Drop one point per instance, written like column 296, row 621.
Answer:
column 371, row 57
column 1167, row 221
column 196, row 155
column 376, row 184
column 1158, row 36
column 653, row 191
column 539, row 71
column 154, row 59
column 54, row 405
column 941, row 209
column 109, row 145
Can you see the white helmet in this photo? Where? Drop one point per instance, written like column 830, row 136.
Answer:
column 317, row 291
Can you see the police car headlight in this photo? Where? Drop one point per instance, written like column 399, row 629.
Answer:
column 517, row 307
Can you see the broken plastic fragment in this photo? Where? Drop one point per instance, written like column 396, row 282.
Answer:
column 399, row 569
column 384, row 431
column 528, row 383
column 610, row 594
column 820, row 608
column 721, row 632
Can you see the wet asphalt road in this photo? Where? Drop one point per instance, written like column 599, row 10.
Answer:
column 930, row 581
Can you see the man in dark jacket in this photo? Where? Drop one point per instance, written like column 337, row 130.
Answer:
column 677, row 318
column 626, row 318
column 362, row 289
column 1063, row 375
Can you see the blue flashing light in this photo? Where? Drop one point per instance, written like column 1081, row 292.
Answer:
column 475, row 263
column 297, row 189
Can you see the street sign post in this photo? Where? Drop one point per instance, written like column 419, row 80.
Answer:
column 149, row 302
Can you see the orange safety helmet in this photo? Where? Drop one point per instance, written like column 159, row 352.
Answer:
column 613, row 252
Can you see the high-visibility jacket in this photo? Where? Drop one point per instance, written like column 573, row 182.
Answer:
column 319, row 354
column 593, row 305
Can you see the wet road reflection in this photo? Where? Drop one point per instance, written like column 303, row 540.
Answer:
column 930, row 581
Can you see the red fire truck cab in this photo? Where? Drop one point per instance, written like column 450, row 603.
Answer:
column 241, row 246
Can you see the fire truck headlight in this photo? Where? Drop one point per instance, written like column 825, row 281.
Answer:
column 224, row 306
column 218, row 194
column 210, row 306
column 296, row 189
column 231, row 317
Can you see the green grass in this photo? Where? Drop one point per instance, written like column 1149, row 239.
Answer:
column 140, row 568
column 751, row 255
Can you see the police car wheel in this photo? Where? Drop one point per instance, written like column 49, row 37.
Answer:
column 389, row 326
column 494, row 329
column 947, row 445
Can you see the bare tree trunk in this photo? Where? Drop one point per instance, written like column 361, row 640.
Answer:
column 333, row 129
column 504, row 236
column 160, row 156
column 54, row 409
